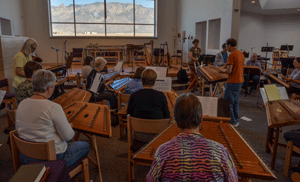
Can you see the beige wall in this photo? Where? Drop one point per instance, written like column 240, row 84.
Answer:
column 192, row 11
column 37, row 26
column 12, row 10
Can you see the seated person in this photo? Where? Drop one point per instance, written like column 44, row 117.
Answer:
column 293, row 136
column 294, row 79
column 87, row 66
column 147, row 103
column 255, row 78
column 25, row 89
column 221, row 57
column 205, row 160
column 101, row 94
column 41, row 120
column 136, row 83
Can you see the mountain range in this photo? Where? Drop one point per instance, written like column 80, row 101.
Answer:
column 94, row 13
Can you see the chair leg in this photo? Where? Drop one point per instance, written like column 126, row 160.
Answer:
column 85, row 170
column 97, row 155
column 129, row 171
column 121, row 125
column 289, row 151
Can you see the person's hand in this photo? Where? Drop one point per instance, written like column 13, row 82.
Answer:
column 288, row 79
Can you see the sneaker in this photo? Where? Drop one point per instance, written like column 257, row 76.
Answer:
column 235, row 125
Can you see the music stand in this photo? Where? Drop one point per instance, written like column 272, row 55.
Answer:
column 287, row 63
column 267, row 49
column 287, row 48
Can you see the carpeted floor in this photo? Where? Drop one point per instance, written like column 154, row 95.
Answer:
column 113, row 151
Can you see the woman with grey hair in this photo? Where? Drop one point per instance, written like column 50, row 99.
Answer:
column 41, row 120
column 20, row 59
column 101, row 94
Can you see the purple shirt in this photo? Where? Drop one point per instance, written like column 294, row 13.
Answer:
column 191, row 157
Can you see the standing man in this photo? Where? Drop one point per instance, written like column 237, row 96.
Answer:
column 235, row 69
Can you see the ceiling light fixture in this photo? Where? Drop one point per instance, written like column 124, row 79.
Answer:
column 298, row 9
column 253, row 2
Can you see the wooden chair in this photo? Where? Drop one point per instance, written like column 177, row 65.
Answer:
column 139, row 57
column 41, row 151
column 289, row 151
column 9, row 97
column 78, row 57
column 81, row 84
column 142, row 126
column 10, row 114
column 177, row 56
column 123, row 100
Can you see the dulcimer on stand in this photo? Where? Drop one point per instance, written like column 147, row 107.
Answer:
column 73, row 95
column 247, row 162
column 90, row 118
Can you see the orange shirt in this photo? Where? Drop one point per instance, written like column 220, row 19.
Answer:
column 236, row 59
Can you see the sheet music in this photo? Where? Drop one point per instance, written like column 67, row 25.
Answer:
column 96, row 83
column 209, row 105
column 118, row 67
column 2, row 94
column 163, row 84
column 160, row 71
column 263, row 95
column 282, row 92
column 272, row 92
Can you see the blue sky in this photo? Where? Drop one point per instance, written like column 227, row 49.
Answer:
column 145, row 3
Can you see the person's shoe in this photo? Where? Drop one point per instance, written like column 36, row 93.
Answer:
column 235, row 125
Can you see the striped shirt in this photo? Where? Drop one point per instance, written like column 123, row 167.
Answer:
column 191, row 157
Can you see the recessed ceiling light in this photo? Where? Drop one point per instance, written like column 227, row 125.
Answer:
column 298, row 9
column 253, row 2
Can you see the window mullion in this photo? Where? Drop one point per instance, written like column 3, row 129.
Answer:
column 133, row 18
column 74, row 17
column 105, row 16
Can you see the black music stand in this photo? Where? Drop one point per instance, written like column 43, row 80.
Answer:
column 287, row 63
column 287, row 48
column 267, row 49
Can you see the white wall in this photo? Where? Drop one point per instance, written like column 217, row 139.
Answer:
column 37, row 26
column 258, row 30
column 12, row 10
column 252, row 33
column 192, row 11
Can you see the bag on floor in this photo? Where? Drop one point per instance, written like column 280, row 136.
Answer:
column 182, row 76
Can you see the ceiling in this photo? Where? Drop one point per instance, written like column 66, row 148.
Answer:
column 271, row 7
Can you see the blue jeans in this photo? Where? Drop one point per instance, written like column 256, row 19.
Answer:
column 232, row 91
column 74, row 152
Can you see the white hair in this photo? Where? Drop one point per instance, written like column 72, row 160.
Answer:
column 42, row 80
column 100, row 61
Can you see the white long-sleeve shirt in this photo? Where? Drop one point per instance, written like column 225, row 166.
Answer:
column 42, row 121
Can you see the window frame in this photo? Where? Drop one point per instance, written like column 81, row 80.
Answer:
column 105, row 25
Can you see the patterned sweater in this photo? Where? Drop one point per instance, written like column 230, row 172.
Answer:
column 191, row 157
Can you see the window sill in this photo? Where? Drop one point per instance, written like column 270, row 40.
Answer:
column 95, row 37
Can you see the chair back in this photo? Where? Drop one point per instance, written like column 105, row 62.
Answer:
column 147, row 125
column 122, row 98
column 10, row 114
column 192, row 68
column 77, row 52
column 69, row 62
column 41, row 151
column 78, row 80
column 4, row 85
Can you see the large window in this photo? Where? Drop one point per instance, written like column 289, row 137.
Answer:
column 104, row 18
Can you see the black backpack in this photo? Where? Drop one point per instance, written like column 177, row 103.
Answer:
column 182, row 76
